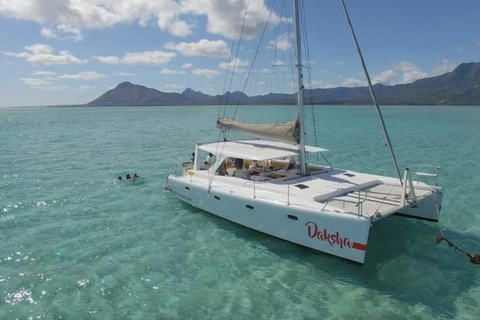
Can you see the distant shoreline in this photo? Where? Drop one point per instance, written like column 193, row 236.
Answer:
column 265, row 105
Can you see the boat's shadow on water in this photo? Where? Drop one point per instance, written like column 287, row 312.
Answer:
column 402, row 262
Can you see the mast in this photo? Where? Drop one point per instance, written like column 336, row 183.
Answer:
column 298, row 54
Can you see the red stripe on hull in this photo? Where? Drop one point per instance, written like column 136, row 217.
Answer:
column 359, row 246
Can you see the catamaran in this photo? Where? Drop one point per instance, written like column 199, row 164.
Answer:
column 267, row 185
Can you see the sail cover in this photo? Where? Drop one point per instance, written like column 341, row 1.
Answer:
column 288, row 132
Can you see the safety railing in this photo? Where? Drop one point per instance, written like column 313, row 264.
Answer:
column 427, row 171
column 174, row 170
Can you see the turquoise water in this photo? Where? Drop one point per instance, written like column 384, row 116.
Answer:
column 76, row 244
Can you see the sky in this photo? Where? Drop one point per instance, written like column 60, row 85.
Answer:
column 55, row 52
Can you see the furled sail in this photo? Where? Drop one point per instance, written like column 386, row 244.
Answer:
column 288, row 132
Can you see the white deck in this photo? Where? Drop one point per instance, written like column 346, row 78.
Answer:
column 324, row 190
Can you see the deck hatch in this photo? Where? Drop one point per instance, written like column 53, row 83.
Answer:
column 301, row 186
column 349, row 175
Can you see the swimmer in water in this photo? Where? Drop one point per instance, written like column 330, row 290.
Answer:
column 135, row 176
column 120, row 179
column 129, row 177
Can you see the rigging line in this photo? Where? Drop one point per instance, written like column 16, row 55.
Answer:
column 230, row 59
column 275, row 51
column 246, row 81
column 254, row 58
column 309, row 73
column 236, row 54
column 225, row 135
column 372, row 93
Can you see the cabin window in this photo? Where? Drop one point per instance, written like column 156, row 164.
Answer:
column 187, row 188
column 249, row 207
column 290, row 216
column 217, row 197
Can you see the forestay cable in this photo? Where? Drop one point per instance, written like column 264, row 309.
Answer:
column 372, row 93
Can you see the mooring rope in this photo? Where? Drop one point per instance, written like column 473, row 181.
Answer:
column 474, row 258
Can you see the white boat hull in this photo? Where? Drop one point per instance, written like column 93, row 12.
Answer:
column 334, row 228
column 341, row 235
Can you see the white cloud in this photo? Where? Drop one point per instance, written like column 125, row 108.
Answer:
column 85, row 88
column 168, row 14
column 148, row 57
column 385, row 77
column 236, row 62
column 205, row 48
column 84, row 75
column 410, row 72
column 34, row 82
column 278, row 63
column 401, row 72
column 124, row 74
column 174, row 87
column 351, row 82
column 107, row 59
column 73, row 16
column 135, row 58
column 44, row 73
column 71, row 32
column 53, row 87
column 444, row 67
column 222, row 15
column 48, row 33
column 168, row 71
column 41, row 84
column 62, row 32
column 187, row 65
column 283, row 42
column 208, row 73
column 321, row 84
column 338, row 63
column 43, row 54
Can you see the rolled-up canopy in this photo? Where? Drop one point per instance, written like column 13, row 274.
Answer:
column 288, row 132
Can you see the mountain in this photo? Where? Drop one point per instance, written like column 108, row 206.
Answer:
column 458, row 87
column 128, row 94
column 196, row 95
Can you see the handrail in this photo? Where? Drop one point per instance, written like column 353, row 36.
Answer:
column 433, row 173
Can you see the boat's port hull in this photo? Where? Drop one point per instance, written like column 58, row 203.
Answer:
column 428, row 208
column 339, row 234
